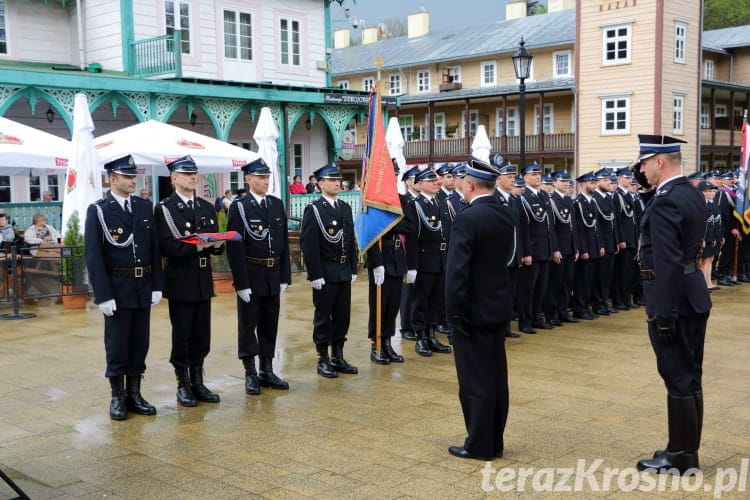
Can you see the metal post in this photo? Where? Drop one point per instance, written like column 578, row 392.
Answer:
column 522, row 123
column 14, row 270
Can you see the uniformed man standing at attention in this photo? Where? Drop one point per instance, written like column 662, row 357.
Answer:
column 561, row 274
column 589, row 247
column 480, row 307
column 626, row 225
column 188, row 281
column 407, row 200
column 262, row 272
column 330, row 253
column 124, row 266
column 677, row 299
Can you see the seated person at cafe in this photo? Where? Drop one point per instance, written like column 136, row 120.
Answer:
column 40, row 233
column 7, row 233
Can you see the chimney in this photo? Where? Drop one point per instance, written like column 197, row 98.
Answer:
column 418, row 24
column 341, row 38
column 369, row 35
column 515, row 10
column 558, row 5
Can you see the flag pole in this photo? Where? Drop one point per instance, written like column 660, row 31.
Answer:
column 379, row 288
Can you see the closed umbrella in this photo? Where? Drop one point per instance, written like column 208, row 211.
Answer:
column 481, row 147
column 395, row 141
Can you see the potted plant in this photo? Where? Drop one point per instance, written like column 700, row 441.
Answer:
column 73, row 266
column 222, row 273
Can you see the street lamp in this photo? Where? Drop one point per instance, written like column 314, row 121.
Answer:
column 522, row 67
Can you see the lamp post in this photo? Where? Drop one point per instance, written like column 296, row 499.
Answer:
column 522, row 67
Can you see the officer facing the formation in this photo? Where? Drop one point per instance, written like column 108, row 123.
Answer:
column 479, row 305
column 261, row 271
column 330, row 253
column 677, row 300
column 188, row 283
column 124, row 266
column 428, row 294
column 387, row 264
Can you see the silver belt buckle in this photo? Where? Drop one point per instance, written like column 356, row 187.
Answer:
column 138, row 272
column 202, row 261
column 396, row 243
column 269, row 262
column 342, row 260
column 443, row 246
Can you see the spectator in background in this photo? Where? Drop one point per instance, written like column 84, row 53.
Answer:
column 47, row 197
column 40, row 232
column 296, row 187
column 146, row 195
column 241, row 193
column 312, row 185
column 7, row 233
column 227, row 200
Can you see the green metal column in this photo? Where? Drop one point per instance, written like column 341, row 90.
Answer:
column 128, row 32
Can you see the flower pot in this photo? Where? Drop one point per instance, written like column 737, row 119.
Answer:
column 223, row 283
column 77, row 301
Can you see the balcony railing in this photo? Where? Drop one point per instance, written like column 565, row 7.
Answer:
column 161, row 55
column 722, row 137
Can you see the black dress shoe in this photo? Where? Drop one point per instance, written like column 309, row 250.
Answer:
column 118, row 408
column 527, row 329
column 622, row 307
column 379, row 357
column 612, row 310
column 666, row 461
column 725, row 282
column 408, row 335
column 325, row 369
column 569, row 319
column 555, row 322
column 461, row 452
column 512, row 335
column 422, row 347
column 436, row 346
column 271, row 380
column 543, row 326
column 601, row 312
column 714, row 288
column 441, row 328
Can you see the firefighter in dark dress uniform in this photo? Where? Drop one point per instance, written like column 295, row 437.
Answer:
column 330, row 253
column 590, row 248
column 428, row 294
column 188, row 281
column 561, row 274
column 387, row 264
column 456, row 198
column 479, row 305
column 607, row 225
column 677, row 300
column 626, row 228
column 407, row 202
column 124, row 266
column 262, row 272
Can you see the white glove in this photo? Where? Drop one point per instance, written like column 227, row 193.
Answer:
column 155, row 297
column 354, row 278
column 379, row 275
column 318, row 283
column 411, row 276
column 108, row 308
column 202, row 246
column 283, row 287
column 217, row 244
column 244, row 294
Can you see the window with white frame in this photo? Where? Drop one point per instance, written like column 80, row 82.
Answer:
column 512, row 125
column 177, row 17
column 344, row 84
column 615, row 115
column 236, row 181
column 488, row 73
column 423, row 80
column 680, row 35
column 298, row 158
column 238, row 35
column 290, row 42
column 3, row 28
column 561, row 62
column 395, row 83
column 548, row 119
column 406, row 122
column 499, row 122
column 368, row 83
column 38, row 184
column 5, row 189
column 720, row 110
column 454, row 73
column 473, row 123
column 439, row 125
column 705, row 118
column 708, row 69
column 678, row 111
column 616, row 44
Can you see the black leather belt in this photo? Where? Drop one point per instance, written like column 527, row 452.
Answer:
column 392, row 243
column 650, row 274
column 130, row 272
column 269, row 262
column 341, row 260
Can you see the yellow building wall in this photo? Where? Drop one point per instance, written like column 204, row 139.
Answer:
column 741, row 70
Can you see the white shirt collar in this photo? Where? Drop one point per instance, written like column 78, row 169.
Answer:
column 479, row 196
column 121, row 200
column 663, row 184
column 562, row 195
column 184, row 199
column 588, row 198
column 258, row 198
column 332, row 201
column 533, row 190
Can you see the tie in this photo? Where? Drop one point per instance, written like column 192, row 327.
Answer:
column 127, row 206
column 263, row 204
column 190, row 204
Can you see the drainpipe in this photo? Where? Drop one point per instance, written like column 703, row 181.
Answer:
column 81, row 37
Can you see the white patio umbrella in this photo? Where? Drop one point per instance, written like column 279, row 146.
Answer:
column 154, row 144
column 265, row 136
column 395, row 141
column 481, row 147
column 83, row 182
column 25, row 150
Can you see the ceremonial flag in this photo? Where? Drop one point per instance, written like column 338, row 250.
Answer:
column 742, row 204
column 381, row 206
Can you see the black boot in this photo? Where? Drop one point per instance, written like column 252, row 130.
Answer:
column 135, row 401
column 379, row 357
column 118, row 407
column 324, row 363
column 699, row 412
column 200, row 391
column 392, row 355
column 268, row 378
column 435, row 345
column 337, row 359
column 252, row 384
column 408, row 335
column 184, row 393
column 684, row 439
column 422, row 347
